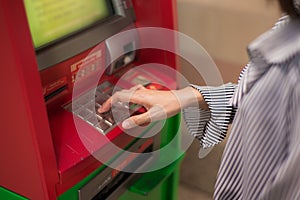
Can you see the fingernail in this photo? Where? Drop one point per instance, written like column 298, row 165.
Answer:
column 126, row 124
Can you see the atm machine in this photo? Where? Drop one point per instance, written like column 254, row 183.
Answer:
column 60, row 62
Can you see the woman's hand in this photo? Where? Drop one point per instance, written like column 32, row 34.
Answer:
column 159, row 104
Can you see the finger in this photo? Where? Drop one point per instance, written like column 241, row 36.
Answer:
column 157, row 112
column 121, row 96
column 132, row 95
column 136, row 120
column 125, row 96
column 137, row 87
column 106, row 106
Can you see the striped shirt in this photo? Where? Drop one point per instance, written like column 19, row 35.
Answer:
column 261, row 159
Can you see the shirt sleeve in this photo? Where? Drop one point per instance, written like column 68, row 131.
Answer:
column 210, row 126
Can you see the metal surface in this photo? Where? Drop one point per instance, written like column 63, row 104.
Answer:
column 86, row 108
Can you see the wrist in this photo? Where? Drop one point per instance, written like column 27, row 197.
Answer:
column 190, row 97
column 201, row 101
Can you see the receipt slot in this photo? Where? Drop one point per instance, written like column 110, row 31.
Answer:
column 49, row 47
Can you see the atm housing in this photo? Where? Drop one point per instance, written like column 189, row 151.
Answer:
column 45, row 146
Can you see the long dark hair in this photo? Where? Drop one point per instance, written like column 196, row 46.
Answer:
column 287, row 6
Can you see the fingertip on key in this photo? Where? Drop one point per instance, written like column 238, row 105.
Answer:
column 100, row 110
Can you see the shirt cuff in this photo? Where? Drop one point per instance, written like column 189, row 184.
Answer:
column 210, row 127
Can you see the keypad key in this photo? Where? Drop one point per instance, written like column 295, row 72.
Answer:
column 83, row 113
column 100, row 98
column 102, row 126
column 91, row 106
column 109, row 118
column 92, row 120
column 104, row 87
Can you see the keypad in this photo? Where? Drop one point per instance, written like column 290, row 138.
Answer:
column 86, row 107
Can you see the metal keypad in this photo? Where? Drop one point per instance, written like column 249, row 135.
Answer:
column 86, row 107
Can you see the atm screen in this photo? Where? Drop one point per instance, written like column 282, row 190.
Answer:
column 50, row 20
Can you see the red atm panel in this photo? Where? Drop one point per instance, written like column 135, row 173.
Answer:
column 42, row 155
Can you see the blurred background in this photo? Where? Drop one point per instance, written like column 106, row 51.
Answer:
column 224, row 28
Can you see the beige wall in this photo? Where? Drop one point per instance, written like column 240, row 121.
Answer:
column 224, row 28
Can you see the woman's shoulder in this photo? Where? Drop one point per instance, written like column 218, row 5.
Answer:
column 278, row 45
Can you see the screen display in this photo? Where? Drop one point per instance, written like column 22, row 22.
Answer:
column 50, row 20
